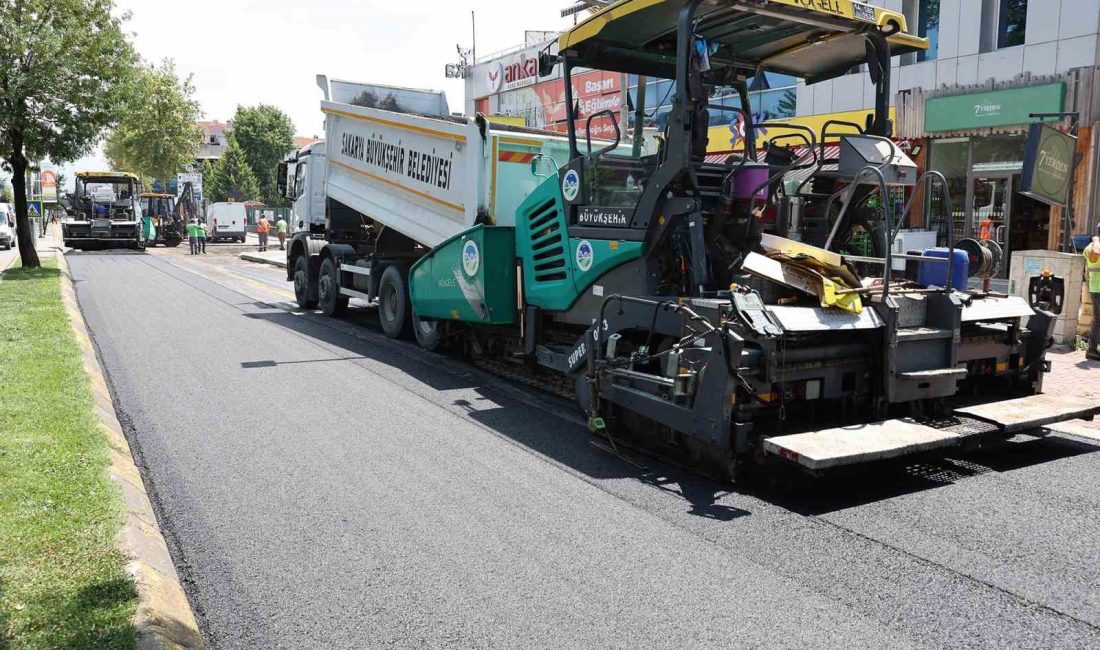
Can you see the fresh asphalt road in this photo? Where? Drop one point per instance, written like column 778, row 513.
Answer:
column 323, row 486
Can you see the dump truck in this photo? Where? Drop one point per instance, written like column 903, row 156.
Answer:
column 106, row 212
column 709, row 312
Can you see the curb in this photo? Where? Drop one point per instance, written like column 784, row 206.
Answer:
column 163, row 618
column 250, row 257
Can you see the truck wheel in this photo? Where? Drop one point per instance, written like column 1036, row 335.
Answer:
column 429, row 333
column 394, row 308
column 301, row 283
column 333, row 303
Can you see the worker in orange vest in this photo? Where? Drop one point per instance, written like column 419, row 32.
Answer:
column 1092, row 270
column 986, row 230
column 262, row 228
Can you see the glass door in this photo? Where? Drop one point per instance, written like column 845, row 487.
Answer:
column 989, row 206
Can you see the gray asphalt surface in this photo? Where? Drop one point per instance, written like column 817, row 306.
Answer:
column 7, row 258
column 323, row 486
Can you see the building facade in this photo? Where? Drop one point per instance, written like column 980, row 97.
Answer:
column 969, row 101
column 214, row 139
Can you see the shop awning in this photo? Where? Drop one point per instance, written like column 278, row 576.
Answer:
column 832, row 152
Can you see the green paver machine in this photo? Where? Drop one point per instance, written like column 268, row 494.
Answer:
column 651, row 280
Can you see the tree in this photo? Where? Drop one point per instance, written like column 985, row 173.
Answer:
column 64, row 72
column 6, row 195
column 366, row 99
column 265, row 135
column 787, row 104
column 157, row 135
column 231, row 177
column 390, row 104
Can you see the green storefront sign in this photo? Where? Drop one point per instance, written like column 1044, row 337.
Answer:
column 994, row 108
column 1048, row 164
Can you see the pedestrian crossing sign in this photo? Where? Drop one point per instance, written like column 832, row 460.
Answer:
column 34, row 209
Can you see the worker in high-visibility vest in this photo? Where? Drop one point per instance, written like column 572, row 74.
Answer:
column 1092, row 270
column 193, row 229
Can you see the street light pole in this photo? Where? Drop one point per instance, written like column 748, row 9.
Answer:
column 1066, row 243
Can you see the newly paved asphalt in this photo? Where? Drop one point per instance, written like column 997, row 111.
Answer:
column 323, row 486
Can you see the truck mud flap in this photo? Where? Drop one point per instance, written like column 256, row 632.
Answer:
column 862, row 443
column 1025, row 413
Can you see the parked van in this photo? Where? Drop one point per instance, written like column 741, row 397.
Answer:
column 7, row 225
column 227, row 221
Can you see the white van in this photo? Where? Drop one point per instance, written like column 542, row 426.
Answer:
column 227, row 221
column 7, row 225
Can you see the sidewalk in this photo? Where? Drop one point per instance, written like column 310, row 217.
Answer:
column 272, row 256
column 1072, row 374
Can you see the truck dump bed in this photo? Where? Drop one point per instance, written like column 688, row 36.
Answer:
column 430, row 178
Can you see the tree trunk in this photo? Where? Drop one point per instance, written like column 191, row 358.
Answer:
column 28, row 254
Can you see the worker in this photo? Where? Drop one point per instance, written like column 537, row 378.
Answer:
column 280, row 226
column 193, row 235
column 202, row 233
column 1092, row 270
column 262, row 228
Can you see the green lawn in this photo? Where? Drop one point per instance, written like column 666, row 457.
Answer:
column 62, row 581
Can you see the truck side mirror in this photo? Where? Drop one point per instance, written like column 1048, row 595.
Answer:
column 547, row 62
column 280, row 182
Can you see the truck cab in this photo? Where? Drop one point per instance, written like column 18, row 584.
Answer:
column 301, row 178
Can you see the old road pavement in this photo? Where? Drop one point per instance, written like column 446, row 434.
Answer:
column 323, row 485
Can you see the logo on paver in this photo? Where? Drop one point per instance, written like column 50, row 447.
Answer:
column 585, row 255
column 570, row 184
column 471, row 258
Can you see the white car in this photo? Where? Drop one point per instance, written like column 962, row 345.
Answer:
column 7, row 226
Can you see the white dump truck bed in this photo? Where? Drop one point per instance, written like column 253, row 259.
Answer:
column 430, row 178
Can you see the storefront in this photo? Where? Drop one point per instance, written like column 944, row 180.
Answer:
column 977, row 140
column 508, row 87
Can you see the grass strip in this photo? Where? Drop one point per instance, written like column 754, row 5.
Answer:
column 63, row 583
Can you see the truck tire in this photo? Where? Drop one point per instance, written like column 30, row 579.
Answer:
column 394, row 306
column 429, row 333
column 301, row 283
column 333, row 303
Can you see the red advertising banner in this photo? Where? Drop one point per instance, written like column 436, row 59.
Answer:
column 593, row 92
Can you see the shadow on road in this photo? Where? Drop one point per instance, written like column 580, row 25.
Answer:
column 547, row 429
column 551, row 431
column 810, row 496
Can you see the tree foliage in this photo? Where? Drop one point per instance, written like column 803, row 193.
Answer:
column 157, row 135
column 231, row 177
column 366, row 99
column 265, row 135
column 65, row 67
column 787, row 104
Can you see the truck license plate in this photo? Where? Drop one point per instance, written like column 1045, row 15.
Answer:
column 863, row 12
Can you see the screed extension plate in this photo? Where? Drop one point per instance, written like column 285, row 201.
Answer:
column 1025, row 413
column 819, row 450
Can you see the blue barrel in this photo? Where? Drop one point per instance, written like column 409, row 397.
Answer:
column 935, row 273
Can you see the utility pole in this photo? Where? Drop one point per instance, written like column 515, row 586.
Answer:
column 473, row 31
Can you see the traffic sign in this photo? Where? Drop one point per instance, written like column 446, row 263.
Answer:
column 34, row 209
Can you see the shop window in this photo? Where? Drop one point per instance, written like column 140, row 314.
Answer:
column 1011, row 23
column 999, row 153
column 952, row 159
